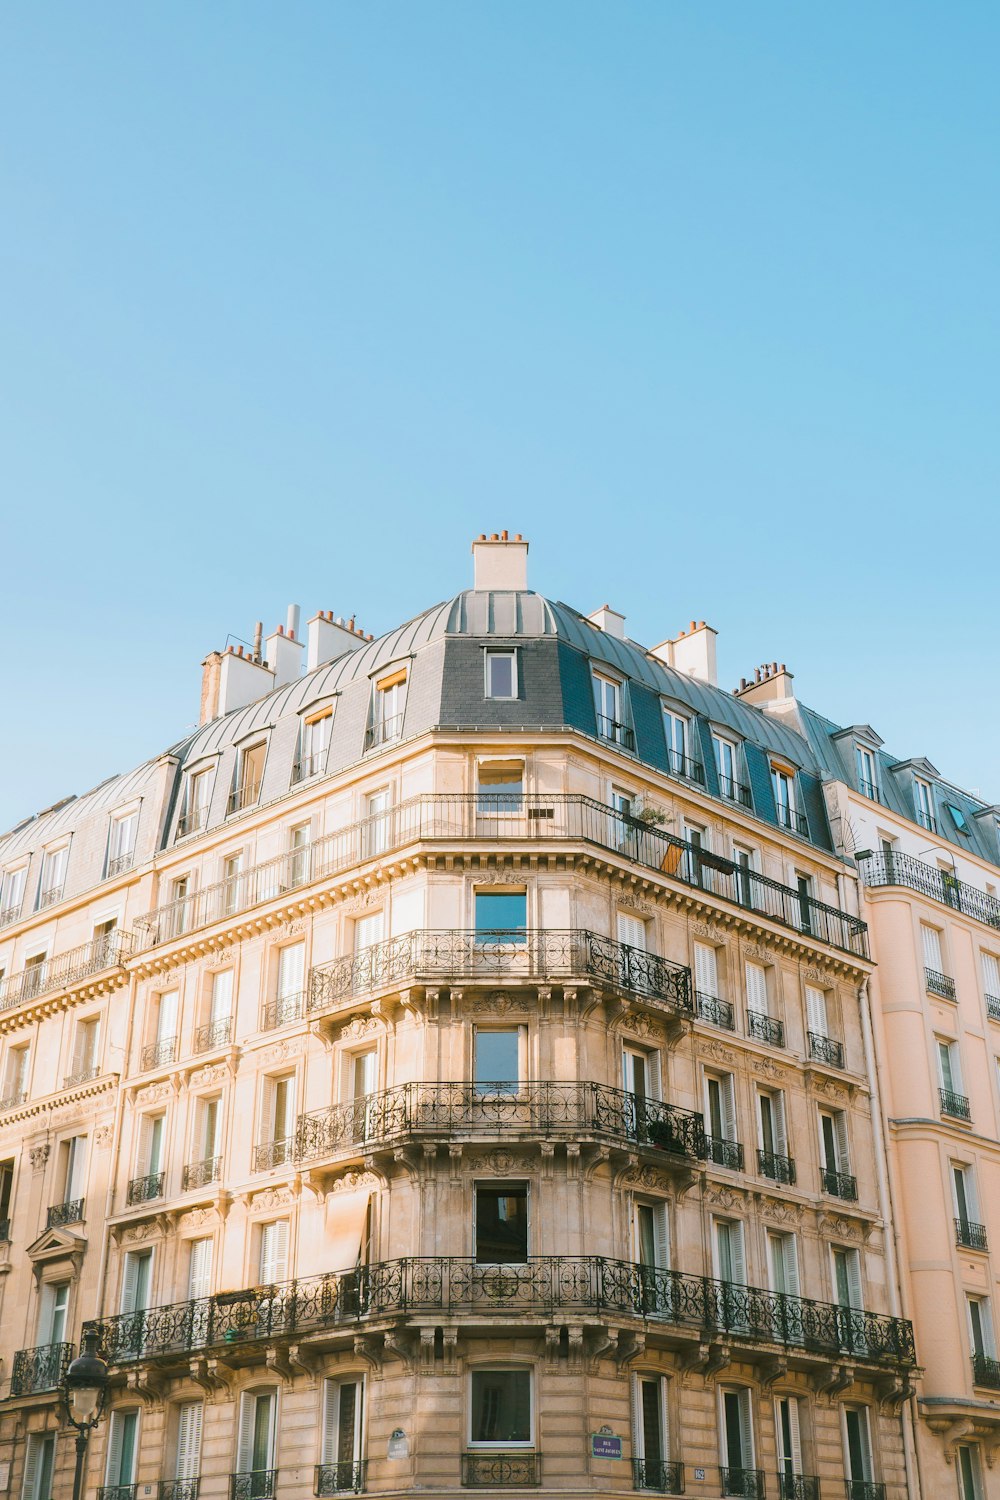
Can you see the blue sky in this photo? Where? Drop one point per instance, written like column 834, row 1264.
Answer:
column 296, row 299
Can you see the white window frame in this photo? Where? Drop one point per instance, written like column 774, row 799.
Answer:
column 489, row 656
column 484, row 1445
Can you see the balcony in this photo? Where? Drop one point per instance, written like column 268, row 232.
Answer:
column 765, row 1028
column 384, row 732
column 616, row 733
column 824, row 1049
column 501, row 1471
column 527, row 1108
column 242, row 797
column 39, row 1369
column 798, row 1487
column 658, row 1474
column 993, row 1007
column 864, row 1489
column 342, row 1477
column 954, row 1105
column 81, row 1076
column 724, row 1153
column 10, row 914
column 198, row 1174
column 516, row 820
column 869, row 789
column 927, row 820
column 49, row 896
column 145, row 1189
column 839, row 1184
column 971, row 1236
column 253, row 1484
column 531, row 954
column 283, row 1010
column 308, row 766
column 159, row 1054
column 735, row 791
column 117, row 1491
column 747, row 1482
column 12, row 1101
column 986, row 1371
column 271, row 1154
column 775, row 1166
column 70, row 1212
column 191, row 820
column 793, row 820
column 178, row 1489
column 939, row 984
column 686, row 768
column 715, row 1011
column 570, row 1286
column 120, row 865
column 106, row 952
column 939, row 885
column 213, row 1034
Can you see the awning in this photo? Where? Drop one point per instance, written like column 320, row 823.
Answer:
column 346, row 1221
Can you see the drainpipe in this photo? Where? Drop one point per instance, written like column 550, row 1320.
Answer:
column 911, row 1456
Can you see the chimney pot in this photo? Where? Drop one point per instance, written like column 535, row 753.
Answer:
column 503, row 536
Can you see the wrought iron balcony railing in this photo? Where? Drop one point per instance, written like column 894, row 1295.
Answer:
column 548, row 1284
column 12, row 1101
column 723, row 1152
column 145, row 1189
column 198, row 1174
column 308, row 766
column 253, row 1484
column 927, row 820
column 341, row 1477
column 179, row 1489
column 529, row 1107
column 106, row 952
column 955, row 1105
column 159, row 1054
column 971, row 1236
column 662, row 1475
column 270, row 1154
column 39, row 1369
column 117, row 1491
column 70, row 1212
column 501, row 1471
column 735, row 791
column 685, row 767
column 940, row 984
column 10, row 914
column 993, row 1007
column 564, row 818
column 840, row 1184
column 120, row 865
column 50, row 896
column 779, row 1168
column 243, row 796
column 792, row 819
column 286, row 1008
column 715, row 1011
column 528, row 953
column 616, row 733
column 191, row 820
column 747, row 1482
column 869, row 789
column 798, row 1487
column 825, row 1050
column 82, row 1075
column 940, row 885
column 384, row 731
column 213, row 1034
column 765, row 1028
column 986, row 1371
column 5, row 1231
column 864, row 1489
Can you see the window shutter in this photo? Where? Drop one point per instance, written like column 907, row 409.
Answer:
column 166, row 1020
column 632, row 931
column 145, row 1144
column 200, row 1269
column 364, row 1074
column 116, row 1449
column 778, row 1123
column 638, row 1446
column 367, row 931
column 29, row 1487
column 790, row 1264
column 244, row 1449
column 991, row 975
column 706, row 971
column 130, row 1283
column 155, row 1153
column 737, row 1257
column 932, row 947
column 843, row 1154
column 75, row 1175
column 274, row 1251
column 222, row 995
column 746, row 1428
column 816, row 1010
column 728, row 1093
column 757, row 988
column 661, row 1385
column 794, row 1434
column 291, row 968
column 331, row 1420
column 661, row 1237
column 854, row 1279
column 189, row 1440
column 80, row 1048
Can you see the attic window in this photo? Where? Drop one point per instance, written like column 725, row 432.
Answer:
column 501, row 674
column 958, row 817
column 388, row 704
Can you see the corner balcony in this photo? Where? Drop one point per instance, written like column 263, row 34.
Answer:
column 939, row 885
column 39, row 1369
column 66, row 969
column 530, row 955
column 530, row 1108
column 515, row 821
column 546, row 1286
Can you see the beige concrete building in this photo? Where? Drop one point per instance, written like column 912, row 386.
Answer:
column 451, row 1068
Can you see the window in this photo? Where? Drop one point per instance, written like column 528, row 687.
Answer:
column 953, row 1100
column 208, row 1133
column 378, row 823
column 706, row 985
column 368, row 931
column 991, row 985
column 970, row 1473
column 677, row 729
column 968, row 1225
column 85, row 1064
column 36, row 975
column 834, row 1153
column 857, row 1441
column 289, row 997
column 278, row 1122
column 500, row 790
column 299, row 840
column 652, row 1237
column 501, row 1412
column 343, row 1409
column 728, row 1251
column 72, row 1167
column 641, row 1070
column 756, row 977
column 609, row 706
column 931, row 940
column 249, row 776
column 501, row 1225
column 783, row 785
column 847, row 1278
column 121, row 843
column 816, row 1015
column 388, row 708
column 788, row 1429
column 745, row 861
column 737, row 1448
column 650, row 1433
column 187, row 1465
column 220, row 1008
column 782, row 1263
column 150, row 1153
column 772, row 1136
column 864, row 762
column 501, row 915
column 197, row 797
column 137, row 1279
column 255, row 1447
column 53, row 878
column 760, row 1023
column 164, row 1045
column 272, row 1262
column 53, row 1312
column 12, row 894
column 728, row 768
column 314, row 745
column 632, row 931
column 39, row 1466
column 804, row 890
column 6, row 1196
column 123, row 1433
column 693, row 868
column 497, row 1060
column 179, row 914
column 923, row 794
column 501, row 674
column 199, row 1280
column 15, row 1076
column 720, row 1119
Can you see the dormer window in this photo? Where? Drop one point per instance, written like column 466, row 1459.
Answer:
column 50, row 887
column 867, row 771
column 501, row 674
column 388, row 707
column 197, row 796
column 783, row 783
column 924, row 796
column 677, row 729
column 958, row 817
column 609, row 704
column 314, row 744
column 121, row 842
column 12, row 894
column 728, row 765
column 250, row 775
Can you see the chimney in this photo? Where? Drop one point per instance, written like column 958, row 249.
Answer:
column 609, row 620
column 500, row 562
column 211, row 676
column 692, row 652
column 241, row 680
column 284, row 652
column 771, row 685
column 329, row 638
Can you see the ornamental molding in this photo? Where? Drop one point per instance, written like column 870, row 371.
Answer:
column 831, row 1089
column 103, row 1136
column 814, row 975
column 217, row 1073
column 499, row 877
column 635, row 903
column 500, row 1003
column 759, row 952
column 844, row 1229
column 639, row 1025
column 502, row 1162
column 39, row 1156
column 360, row 900
column 707, row 930
column 356, row 1182
column 646, row 1179
column 282, row 1050
column 717, row 1052
column 780, row 1212
column 197, row 1218
column 767, row 1069
column 270, row 1198
column 727, row 1198
column 135, row 1234
column 362, row 1026
column 154, row 1091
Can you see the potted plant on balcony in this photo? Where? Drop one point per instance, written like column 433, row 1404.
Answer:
column 664, row 1134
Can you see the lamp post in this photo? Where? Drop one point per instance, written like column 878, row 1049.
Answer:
column 85, row 1390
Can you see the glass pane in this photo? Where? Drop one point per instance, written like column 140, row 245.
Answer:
column 501, row 670
column 502, row 912
column 497, row 1059
column 501, row 1225
column 501, row 1406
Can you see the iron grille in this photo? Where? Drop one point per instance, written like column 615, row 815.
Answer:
column 179, row 1489
column 384, row 731
column 108, row 951
column 840, row 1184
column 341, row 1477
column 616, row 733
column 243, row 796
column 986, row 1371
column 864, row 1489
column 734, row 791
column 792, row 819
column 715, row 1011
column 159, row 1053
column 213, row 1034
column 9, row 914
column 658, row 1474
column 143, row 1189
column 971, row 1236
column 306, row 767
column 11, row 1101
column 956, row 1105
column 869, row 789
column 39, row 1369
column 724, row 1153
column 191, row 820
column 199, row 1174
column 798, row 1487
column 50, row 897
column 747, row 1482
column 120, row 865
column 286, row 1008
column 927, row 820
column 253, row 1484
column 940, row 984
column 501, row 1470
column 765, row 1028
column 778, row 1168
column 82, row 1075
column 271, row 1154
column 825, row 1050
column 70, row 1212
column 117, row 1492
column 993, row 1007
column 684, row 766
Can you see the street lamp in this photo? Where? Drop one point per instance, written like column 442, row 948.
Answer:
column 84, row 1391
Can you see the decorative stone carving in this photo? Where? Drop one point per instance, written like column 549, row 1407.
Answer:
column 39, row 1156
column 197, row 1217
column 502, row 1162
column 844, row 1229
column 103, row 1136
column 271, row 1198
column 280, row 1050
column 135, row 1233
column 718, row 1052
column 636, row 903
column 767, row 1069
column 360, row 900
column 780, row 1212
column 831, row 1089
column 759, row 952
column 709, row 932
column 726, row 1198
column 499, row 1003
column 353, row 1182
column 154, row 1091
column 641, row 1026
column 646, row 1178
column 218, row 1073
column 499, row 877
column 361, row 1026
